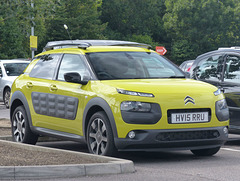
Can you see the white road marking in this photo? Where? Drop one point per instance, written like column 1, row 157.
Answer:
column 230, row 149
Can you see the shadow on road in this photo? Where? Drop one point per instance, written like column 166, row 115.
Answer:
column 136, row 157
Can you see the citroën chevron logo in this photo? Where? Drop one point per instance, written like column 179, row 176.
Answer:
column 189, row 99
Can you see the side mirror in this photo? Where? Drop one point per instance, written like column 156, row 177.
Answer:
column 74, row 77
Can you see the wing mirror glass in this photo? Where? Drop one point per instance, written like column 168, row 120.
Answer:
column 75, row 77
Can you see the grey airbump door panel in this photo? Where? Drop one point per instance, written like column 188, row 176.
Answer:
column 55, row 105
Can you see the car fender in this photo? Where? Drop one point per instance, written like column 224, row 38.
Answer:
column 5, row 84
column 18, row 95
column 97, row 101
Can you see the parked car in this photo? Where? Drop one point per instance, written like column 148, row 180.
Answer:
column 116, row 95
column 9, row 70
column 186, row 65
column 222, row 69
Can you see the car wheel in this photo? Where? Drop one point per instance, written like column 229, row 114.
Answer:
column 206, row 152
column 6, row 97
column 20, row 127
column 100, row 136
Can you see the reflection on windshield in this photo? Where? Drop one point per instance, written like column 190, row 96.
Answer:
column 132, row 65
column 14, row 69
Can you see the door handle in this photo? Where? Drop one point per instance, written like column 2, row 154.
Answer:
column 29, row 85
column 53, row 87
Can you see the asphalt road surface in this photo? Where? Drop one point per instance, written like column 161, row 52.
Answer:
column 164, row 166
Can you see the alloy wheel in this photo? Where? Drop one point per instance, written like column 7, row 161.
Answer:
column 19, row 126
column 7, row 98
column 98, row 136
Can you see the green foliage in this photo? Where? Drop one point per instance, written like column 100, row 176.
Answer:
column 186, row 28
column 82, row 18
column 181, row 51
column 142, row 39
column 127, row 17
column 11, row 37
column 204, row 24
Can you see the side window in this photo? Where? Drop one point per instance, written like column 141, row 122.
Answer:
column 72, row 63
column 45, row 67
column 232, row 69
column 210, row 68
column 0, row 71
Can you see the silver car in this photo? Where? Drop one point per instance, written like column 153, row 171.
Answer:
column 9, row 71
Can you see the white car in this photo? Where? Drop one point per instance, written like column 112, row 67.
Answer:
column 9, row 71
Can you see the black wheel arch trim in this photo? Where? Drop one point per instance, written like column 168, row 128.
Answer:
column 97, row 101
column 4, row 89
column 20, row 96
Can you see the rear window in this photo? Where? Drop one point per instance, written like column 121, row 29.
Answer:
column 15, row 69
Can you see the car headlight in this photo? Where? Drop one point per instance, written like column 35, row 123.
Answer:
column 217, row 92
column 222, row 111
column 132, row 93
column 222, row 104
column 135, row 106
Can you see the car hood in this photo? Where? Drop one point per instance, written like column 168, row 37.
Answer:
column 170, row 93
column 168, row 86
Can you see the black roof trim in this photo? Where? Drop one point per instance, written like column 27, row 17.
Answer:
column 222, row 50
column 87, row 43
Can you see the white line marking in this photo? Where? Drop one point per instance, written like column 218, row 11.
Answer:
column 230, row 149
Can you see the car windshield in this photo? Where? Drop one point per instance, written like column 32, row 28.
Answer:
column 15, row 69
column 132, row 65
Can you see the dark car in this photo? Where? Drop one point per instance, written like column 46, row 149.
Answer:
column 222, row 69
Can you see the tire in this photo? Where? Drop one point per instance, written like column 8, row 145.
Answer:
column 6, row 97
column 206, row 152
column 20, row 127
column 100, row 136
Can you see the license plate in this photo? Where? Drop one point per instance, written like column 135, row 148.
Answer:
column 196, row 117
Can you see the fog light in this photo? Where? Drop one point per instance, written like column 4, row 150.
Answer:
column 225, row 130
column 131, row 134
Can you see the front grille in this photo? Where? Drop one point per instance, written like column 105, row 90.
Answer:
column 188, row 135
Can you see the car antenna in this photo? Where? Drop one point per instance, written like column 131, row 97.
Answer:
column 66, row 28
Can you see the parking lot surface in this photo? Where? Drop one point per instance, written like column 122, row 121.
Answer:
column 180, row 165
column 4, row 112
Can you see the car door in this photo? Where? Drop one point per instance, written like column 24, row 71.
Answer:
column 209, row 69
column 56, row 105
column 231, row 87
column 71, row 95
column 39, row 90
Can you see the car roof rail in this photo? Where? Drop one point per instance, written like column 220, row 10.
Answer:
column 223, row 48
column 133, row 44
column 87, row 43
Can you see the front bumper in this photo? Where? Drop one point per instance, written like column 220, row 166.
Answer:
column 174, row 139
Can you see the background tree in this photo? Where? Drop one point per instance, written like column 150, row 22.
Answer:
column 197, row 26
column 129, row 20
column 186, row 28
column 82, row 18
column 11, row 34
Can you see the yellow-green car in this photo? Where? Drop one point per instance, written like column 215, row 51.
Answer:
column 116, row 95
